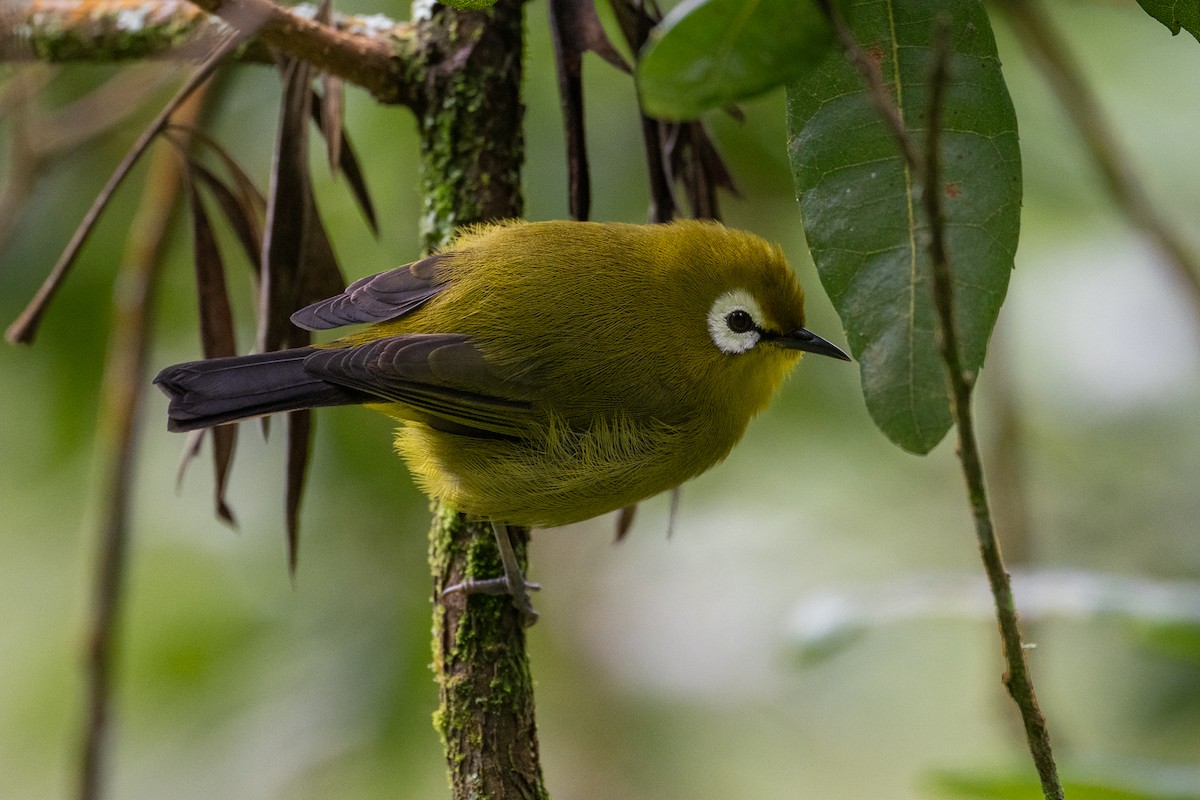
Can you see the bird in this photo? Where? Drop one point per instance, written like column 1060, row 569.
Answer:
column 541, row 373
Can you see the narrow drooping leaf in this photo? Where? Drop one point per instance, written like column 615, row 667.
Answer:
column 580, row 30
column 624, row 522
column 332, row 110
column 696, row 164
column 241, row 215
column 298, row 438
column 862, row 211
column 320, row 275
column 662, row 196
column 636, row 19
column 288, row 211
column 713, row 53
column 191, row 449
column 298, row 264
column 1175, row 15
column 575, row 29
column 250, row 200
column 346, row 163
column 216, row 332
column 676, row 152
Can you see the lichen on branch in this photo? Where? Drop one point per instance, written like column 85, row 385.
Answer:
column 368, row 51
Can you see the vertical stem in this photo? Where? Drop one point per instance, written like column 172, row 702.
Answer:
column 1017, row 679
column 470, row 118
column 472, row 151
column 960, row 382
column 120, row 400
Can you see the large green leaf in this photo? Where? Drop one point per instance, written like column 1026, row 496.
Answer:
column 862, row 209
column 712, row 53
column 1175, row 14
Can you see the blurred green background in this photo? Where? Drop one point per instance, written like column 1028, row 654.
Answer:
column 671, row 669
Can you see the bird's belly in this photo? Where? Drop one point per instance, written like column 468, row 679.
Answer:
column 561, row 475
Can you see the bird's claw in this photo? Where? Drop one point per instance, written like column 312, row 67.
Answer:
column 497, row 586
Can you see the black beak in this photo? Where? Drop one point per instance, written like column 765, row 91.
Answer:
column 801, row 339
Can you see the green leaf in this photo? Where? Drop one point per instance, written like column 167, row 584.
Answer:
column 1179, row 640
column 862, row 207
column 712, row 53
column 1175, row 14
column 972, row 786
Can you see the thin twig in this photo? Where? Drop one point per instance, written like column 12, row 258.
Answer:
column 121, row 394
column 1050, row 52
column 1018, row 680
column 927, row 166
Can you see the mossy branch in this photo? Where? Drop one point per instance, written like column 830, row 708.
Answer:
column 371, row 52
column 472, row 151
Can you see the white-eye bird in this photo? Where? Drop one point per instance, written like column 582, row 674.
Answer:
column 543, row 372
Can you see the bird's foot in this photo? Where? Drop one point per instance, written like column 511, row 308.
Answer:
column 512, row 583
column 501, row 585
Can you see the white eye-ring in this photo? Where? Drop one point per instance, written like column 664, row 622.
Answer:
column 734, row 322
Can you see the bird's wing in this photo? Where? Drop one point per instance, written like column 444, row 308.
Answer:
column 377, row 298
column 440, row 378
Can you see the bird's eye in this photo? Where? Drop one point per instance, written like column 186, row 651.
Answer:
column 733, row 322
column 739, row 321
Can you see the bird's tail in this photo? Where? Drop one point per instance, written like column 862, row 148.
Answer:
column 221, row 390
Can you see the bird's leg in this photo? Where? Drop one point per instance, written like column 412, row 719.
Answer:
column 513, row 582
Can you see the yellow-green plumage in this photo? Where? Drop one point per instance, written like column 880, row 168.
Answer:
column 584, row 376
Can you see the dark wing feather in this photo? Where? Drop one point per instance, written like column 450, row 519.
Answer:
column 221, row 390
column 441, row 377
column 377, row 298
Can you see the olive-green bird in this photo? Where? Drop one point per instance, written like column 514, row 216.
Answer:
column 543, row 372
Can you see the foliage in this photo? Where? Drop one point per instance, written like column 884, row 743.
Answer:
column 861, row 205
column 968, row 786
column 714, row 53
column 1175, row 15
column 861, row 202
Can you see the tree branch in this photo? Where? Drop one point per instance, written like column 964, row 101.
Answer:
column 102, row 30
column 372, row 52
column 472, row 151
column 368, row 52
column 1018, row 680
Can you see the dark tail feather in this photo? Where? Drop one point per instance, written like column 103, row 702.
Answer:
column 220, row 390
